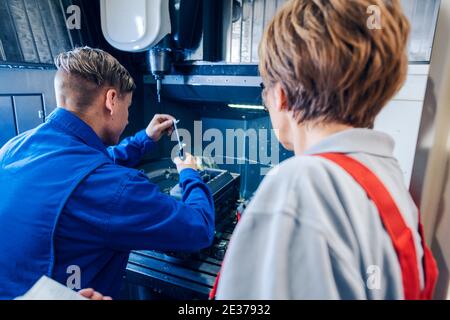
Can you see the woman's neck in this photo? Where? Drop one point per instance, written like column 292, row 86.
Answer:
column 308, row 135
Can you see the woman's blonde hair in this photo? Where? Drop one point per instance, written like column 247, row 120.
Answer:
column 331, row 65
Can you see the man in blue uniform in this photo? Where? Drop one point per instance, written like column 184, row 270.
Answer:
column 71, row 206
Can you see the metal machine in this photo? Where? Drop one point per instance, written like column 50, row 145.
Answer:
column 197, row 60
column 184, row 275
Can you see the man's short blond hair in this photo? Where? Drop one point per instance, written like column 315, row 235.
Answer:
column 331, row 65
column 85, row 71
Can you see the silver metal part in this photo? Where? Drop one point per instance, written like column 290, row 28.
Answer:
column 160, row 61
column 180, row 145
column 199, row 80
column 158, row 89
column 160, row 66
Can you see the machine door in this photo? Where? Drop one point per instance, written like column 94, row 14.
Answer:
column 29, row 112
column 7, row 127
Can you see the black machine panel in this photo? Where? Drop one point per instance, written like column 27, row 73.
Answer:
column 182, row 275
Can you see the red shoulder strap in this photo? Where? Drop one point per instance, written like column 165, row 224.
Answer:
column 400, row 234
column 213, row 292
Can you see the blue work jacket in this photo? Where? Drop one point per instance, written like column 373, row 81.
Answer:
column 72, row 209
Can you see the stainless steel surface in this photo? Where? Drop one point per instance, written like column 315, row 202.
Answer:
column 244, row 22
column 231, row 81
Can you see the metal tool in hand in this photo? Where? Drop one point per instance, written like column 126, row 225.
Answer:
column 180, row 145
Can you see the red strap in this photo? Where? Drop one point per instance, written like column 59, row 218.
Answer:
column 213, row 292
column 430, row 266
column 398, row 231
column 400, row 234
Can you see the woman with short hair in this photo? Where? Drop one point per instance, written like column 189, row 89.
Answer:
column 336, row 221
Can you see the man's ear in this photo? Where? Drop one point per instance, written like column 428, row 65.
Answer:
column 111, row 100
column 280, row 98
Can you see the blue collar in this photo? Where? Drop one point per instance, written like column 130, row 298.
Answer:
column 76, row 127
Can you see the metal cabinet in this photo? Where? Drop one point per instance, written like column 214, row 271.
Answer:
column 7, row 125
column 29, row 112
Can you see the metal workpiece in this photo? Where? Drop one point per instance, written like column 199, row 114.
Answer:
column 181, row 153
column 184, row 275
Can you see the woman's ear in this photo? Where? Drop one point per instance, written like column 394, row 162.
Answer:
column 280, row 98
column 111, row 100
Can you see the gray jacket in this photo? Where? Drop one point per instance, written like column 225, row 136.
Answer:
column 311, row 232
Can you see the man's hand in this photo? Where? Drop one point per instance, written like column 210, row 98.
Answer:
column 160, row 124
column 93, row 295
column 190, row 162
